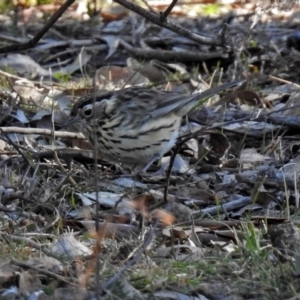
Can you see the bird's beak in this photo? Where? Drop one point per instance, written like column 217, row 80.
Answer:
column 72, row 121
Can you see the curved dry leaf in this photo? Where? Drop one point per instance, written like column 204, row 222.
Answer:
column 109, row 200
column 16, row 137
column 40, row 114
column 113, row 42
column 119, row 76
column 190, row 127
column 207, row 238
column 253, row 128
column 81, row 60
column 113, row 13
column 129, row 183
column 114, row 27
column 180, row 165
column 182, row 232
column 292, row 169
column 164, row 217
column 214, row 147
column 178, row 233
column 11, row 293
column 151, row 72
column 231, row 234
column 250, row 98
column 63, row 101
column 20, row 116
column 46, row 119
column 250, row 155
column 178, row 295
column 293, row 104
column 104, row 198
column 46, row 263
column 216, row 142
column 28, row 91
column 68, row 246
column 182, row 252
column 240, row 97
column 22, row 64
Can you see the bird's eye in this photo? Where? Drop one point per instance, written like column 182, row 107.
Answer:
column 87, row 111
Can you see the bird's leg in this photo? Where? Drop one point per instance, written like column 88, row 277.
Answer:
column 153, row 159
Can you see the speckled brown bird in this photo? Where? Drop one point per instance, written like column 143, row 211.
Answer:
column 137, row 125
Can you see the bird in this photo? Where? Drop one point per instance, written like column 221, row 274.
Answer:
column 137, row 125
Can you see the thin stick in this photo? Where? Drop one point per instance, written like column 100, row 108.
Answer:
column 41, row 131
column 41, row 271
column 32, row 43
column 164, row 15
column 155, row 18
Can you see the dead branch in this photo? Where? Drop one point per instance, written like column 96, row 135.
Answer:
column 63, row 153
column 31, row 43
column 164, row 15
column 41, row 131
column 30, row 243
column 232, row 205
column 156, row 19
column 167, row 55
column 42, row 271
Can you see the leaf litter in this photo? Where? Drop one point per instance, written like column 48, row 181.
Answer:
column 227, row 226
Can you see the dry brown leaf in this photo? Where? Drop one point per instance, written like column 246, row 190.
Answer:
column 163, row 216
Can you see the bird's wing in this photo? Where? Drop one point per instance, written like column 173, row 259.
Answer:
column 148, row 103
column 182, row 104
column 140, row 104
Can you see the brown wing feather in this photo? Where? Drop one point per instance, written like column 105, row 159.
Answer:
column 141, row 103
column 157, row 104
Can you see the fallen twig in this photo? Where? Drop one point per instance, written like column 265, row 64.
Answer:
column 41, row 271
column 30, row 243
column 156, row 19
column 41, row 131
column 164, row 15
column 31, row 43
column 70, row 153
column 166, row 55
